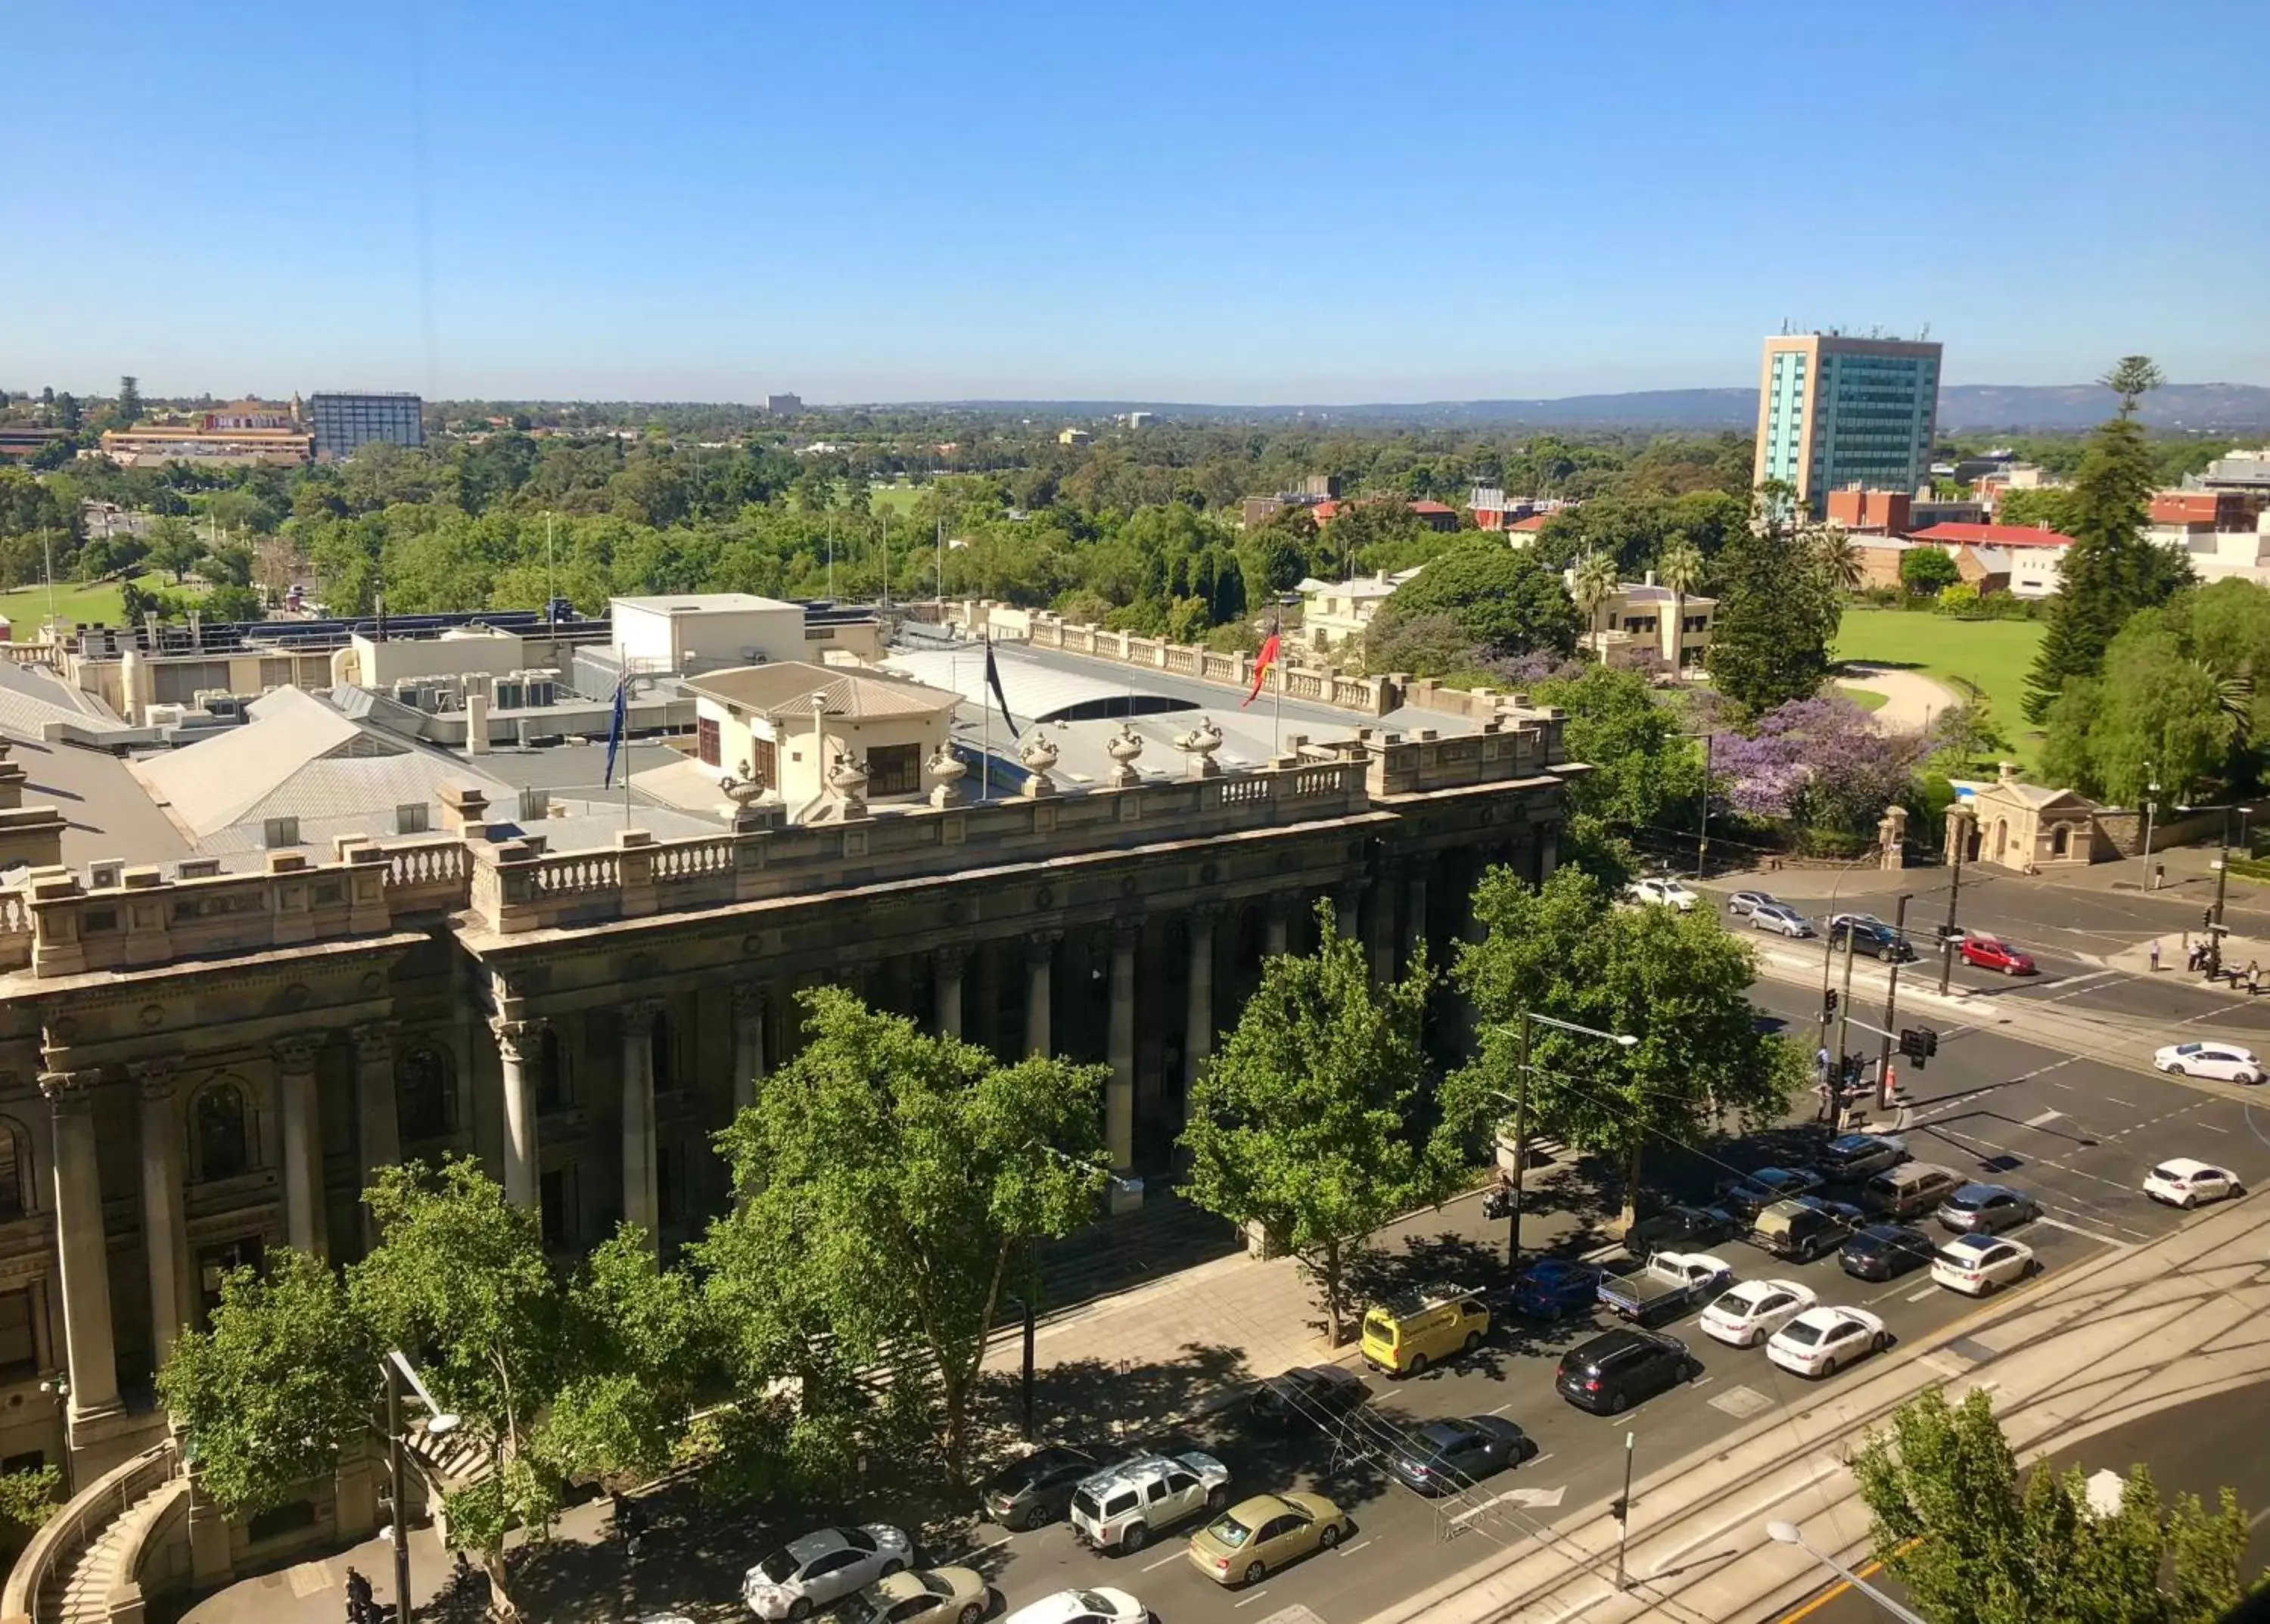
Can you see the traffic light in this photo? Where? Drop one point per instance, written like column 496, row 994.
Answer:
column 1620, row 1509
column 1829, row 1005
column 1919, row 1044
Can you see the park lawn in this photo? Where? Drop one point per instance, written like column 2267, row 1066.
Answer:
column 1867, row 699
column 82, row 605
column 1992, row 656
column 893, row 498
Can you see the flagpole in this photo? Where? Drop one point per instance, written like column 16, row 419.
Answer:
column 626, row 714
column 985, row 706
column 1277, row 720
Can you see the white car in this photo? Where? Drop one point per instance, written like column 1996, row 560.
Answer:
column 1754, row 1310
column 1095, row 1604
column 2226, row 1061
column 1974, row 1264
column 2181, row 1182
column 1662, row 893
column 823, row 1567
column 1822, row 1341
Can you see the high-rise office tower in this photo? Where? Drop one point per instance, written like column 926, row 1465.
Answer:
column 1835, row 411
column 343, row 422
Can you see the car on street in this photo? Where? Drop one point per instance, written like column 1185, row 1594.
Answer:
column 1782, row 919
column 1805, row 1228
column 1121, row 1506
column 1414, row 1329
column 1741, row 904
column 1316, row 1395
column 1664, row 893
column 1679, row 1228
column 1097, row 1604
column 1554, row 1288
column 1850, row 1157
column 1822, row 1341
column 1747, row 1197
column 1256, row 1537
column 1991, row 953
column 1872, row 937
column 1666, row 1286
column 823, row 1567
column 2224, row 1061
column 1987, row 1209
column 1035, row 1489
column 1885, row 1252
column 1620, row 1369
column 922, row 1595
column 1976, row 1264
column 1446, row 1456
column 1746, row 1314
column 2182, row 1181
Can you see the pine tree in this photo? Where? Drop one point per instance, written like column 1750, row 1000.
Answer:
column 1778, row 608
column 130, row 400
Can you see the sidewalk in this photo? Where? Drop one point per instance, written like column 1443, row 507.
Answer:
column 2133, row 1332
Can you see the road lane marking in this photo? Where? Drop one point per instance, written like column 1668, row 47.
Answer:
column 1174, row 1556
column 2101, row 1238
column 1501, row 1409
column 1534, row 1499
column 1250, row 1601
column 1919, row 1296
column 2112, row 1100
column 1358, row 1545
column 1538, row 1460
column 2210, row 1127
column 2044, row 1119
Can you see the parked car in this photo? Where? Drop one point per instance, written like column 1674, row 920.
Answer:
column 1315, row 1394
column 1909, row 1189
column 1976, row 1264
column 1256, row 1537
column 1415, row 1329
column 1036, row 1488
column 1095, row 1604
column 1746, row 1315
column 1805, row 1228
column 1991, row 953
column 823, row 1567
column 1664, row 893
column 1987, row 1209
column 1553, row 1287
column 1619, row 1369
column 1446, row 1456
column 1666, row 1286
column 1744, row 902
column 1822, row 1341
column 1121, row 1506
column 1885, row 1252
column 1873, row 937
column 1782, row 919
column 2181, row 1182
column 1850, row 1157
column 1678, row 1228
column 922, row 1595
column 1746, row 1198
column 2226, row 1061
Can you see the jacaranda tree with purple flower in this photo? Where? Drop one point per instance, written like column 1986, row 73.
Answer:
column 1817, row 764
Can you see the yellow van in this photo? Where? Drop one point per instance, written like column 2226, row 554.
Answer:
column 1406, row 1334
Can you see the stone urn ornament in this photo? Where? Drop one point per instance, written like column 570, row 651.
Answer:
column 1124, row 746
column 1038, row 756
column 847, row 777
column 743, row 788
column 1198, row 744
column 945, row 770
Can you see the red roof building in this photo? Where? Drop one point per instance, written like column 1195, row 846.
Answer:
column 1434, row 516
column 1992, row 536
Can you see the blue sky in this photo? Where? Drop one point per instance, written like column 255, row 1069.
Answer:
column 1221, row 202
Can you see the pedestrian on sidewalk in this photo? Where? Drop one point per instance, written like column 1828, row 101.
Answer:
column 2156, row 955
column 360, row 1608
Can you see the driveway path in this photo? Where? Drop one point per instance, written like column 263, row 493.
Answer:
column 1910, row 698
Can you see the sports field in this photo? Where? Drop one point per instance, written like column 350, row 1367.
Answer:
column 1990, row 655
column 893, row 498
column 82, row 605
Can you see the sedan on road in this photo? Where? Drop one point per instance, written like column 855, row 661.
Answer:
column 1850, row 1157
column 1885, row 1252
column 2225, row 1061
column 1313, row 1393
column 2181, row 1182
column 1742, row 902
column 1554, row 1287
column 1822, row 1341
column 1037, row 1489
column 1749, row 1313
column 1747, row 1198
column 823, row 1567
column 1991, row 953
column 1090, row 1604
column 1619, row 1369
column 1680, row 1229
column 922, row 1595
column 1872, row 937
column 1987, row 1209
column 1782, row 919
column 1662, row 893
column 1974, row 1264
column 1445, row 1456
column 1256, row 1537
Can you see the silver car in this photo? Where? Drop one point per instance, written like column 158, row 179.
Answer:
column 823, row 1567
column 1781, row 917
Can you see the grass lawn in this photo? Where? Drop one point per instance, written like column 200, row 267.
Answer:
column 893, row 498
column 26, row 606
column 1867, row 699
column 1994, row 656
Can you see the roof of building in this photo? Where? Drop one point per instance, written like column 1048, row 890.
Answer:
column 701, row 603
column 211, row 783
column 30, row 698
column 1379, row 585
column 107, row 812
column 1534, row 521
column 790, row 687
column 1994, row 535
column 1436, row 509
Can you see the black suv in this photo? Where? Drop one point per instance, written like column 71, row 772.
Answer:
column 1885, row 1252
column 1747, row 1198
column 1873, row 936
column 1678, row 1228
column 1620, row 1369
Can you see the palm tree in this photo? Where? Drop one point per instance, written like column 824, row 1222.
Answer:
column 2233, row 705
column 1678, row 566
column 1593, row 585
column 1839, row 559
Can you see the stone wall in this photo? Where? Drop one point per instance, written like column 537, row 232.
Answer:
column 2124, row 831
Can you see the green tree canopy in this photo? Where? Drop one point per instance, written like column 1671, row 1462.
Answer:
column 1646, row 774
column 1925, row 571
column 1778, row 609
column 1508, row 603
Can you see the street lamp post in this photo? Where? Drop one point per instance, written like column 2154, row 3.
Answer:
column 2151, row 807
column 1623, row 1513
column 1790, row 1533
column 1520, row 1097
column 439, row 1423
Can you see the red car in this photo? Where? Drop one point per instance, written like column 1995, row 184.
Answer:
column 1990, row 953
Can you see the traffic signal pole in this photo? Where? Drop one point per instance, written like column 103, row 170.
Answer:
column 1891, row 997
column 1954, row 890
column 1843, row 1030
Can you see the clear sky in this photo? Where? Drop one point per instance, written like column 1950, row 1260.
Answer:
column 1227, row 201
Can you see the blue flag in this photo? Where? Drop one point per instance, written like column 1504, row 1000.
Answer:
column 616, row 728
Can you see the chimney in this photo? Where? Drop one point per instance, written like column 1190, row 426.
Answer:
column 462, row 807
column 1650, row 578
column 2008, row 773
column 477, row 725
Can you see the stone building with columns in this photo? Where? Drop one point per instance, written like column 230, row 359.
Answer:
column 199, row 1064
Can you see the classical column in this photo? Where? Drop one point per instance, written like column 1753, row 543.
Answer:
column 640, row 1202
column 378, row 1125
column 303, row 1146
column 945, row 967
column 1040, row 960
column 1414, row 909
column 1197, row 1012
column 1119, row 1099
column 748, row 1043
column 1379, row 928
column 161, row 1202
column 1348, row 908
column 519, row 1048
column 1277, row 923
column 80, row 1250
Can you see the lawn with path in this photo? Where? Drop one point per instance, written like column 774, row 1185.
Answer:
column 80, row 605
column 1990, row 655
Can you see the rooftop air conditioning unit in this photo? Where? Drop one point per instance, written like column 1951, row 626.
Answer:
column 405, row 692
column 511, row 695
column 164, row 716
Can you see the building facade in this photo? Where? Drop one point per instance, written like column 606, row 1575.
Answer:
column 1835, row 411
column 342, row 423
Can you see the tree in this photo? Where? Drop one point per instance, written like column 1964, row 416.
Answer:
column 2048, row 505
column 1508, row 603
column 1777, row 609
column 1924, row 571
column 1839, row 558
column 1975, row 1542
column 1594, row 585
column 27, row 1496
column 1820, row 763
column 224, row 604
column 1680, row 567
column 130, row 401
column 888, row 1183
column 1675, row 981
column 2156, row 716
column 2110, row 571
column 286, row 1375
column 1308, row 1124
column 69, row 417
column 2132, row 378
column 174, row 547
column 1646, row 774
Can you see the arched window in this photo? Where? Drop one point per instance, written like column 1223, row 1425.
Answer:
column 221, row 1140
column 425, row 1093
column 15, row 1172
column 2061, row 842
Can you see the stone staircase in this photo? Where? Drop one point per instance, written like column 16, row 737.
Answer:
column 79, row 1589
